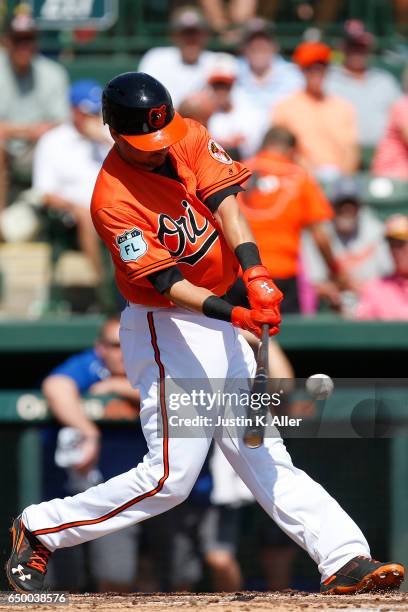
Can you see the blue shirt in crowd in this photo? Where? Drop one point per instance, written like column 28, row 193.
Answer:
column 85, row 368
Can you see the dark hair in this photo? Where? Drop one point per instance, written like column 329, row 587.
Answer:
column 279, row 136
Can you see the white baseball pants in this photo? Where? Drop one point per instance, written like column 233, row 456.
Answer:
column 159, row 344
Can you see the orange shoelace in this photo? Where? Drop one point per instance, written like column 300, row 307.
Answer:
column 39, row 558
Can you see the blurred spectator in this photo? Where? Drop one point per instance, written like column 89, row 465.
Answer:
column 357, row 240
column 371, row 91
column 391, row 157
column 182, row 68
column 34, row 98
column 199, row 105
column 282, row 199
column 67, row 161
column 387, row 298
column 264, row 77
column 235, row 125
column 324, row 124
column 99, row 371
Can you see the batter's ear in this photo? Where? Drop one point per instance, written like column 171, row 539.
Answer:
column 114, row 134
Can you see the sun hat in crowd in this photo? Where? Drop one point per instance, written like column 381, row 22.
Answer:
column 308, row 53
column 223, row 70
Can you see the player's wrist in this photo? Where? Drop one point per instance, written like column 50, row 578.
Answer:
column 248, row 255
column 215, row 307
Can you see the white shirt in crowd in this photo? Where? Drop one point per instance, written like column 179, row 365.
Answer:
column 67, row 164
column 372, row 97
column 365, row 256
column 283, row 79
column 166, row 65
column 40, row 95
column 241, row 123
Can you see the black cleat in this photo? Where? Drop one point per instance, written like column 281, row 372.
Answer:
column 27, row 565
column 363, row 574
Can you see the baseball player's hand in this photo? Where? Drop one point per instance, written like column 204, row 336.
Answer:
column 263, row 294
column 252, row 320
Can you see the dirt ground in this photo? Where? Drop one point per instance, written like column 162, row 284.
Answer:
column 291, row 601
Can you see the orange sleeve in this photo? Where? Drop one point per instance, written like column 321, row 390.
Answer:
column 132, row 242
column 213, row 167
column 317, row 207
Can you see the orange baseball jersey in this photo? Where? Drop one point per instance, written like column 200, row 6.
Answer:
column 150, row 222
column 281, row 200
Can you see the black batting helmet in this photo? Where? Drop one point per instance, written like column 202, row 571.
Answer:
column 140, row 108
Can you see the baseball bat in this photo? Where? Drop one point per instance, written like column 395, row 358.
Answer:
column 255, row 430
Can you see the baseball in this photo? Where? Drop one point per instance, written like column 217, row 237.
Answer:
column 320, row 386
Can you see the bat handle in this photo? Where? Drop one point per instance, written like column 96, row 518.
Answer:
column 254, row 433
column 253, row 438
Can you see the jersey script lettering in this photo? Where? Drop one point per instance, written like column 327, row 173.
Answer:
column 174, row 233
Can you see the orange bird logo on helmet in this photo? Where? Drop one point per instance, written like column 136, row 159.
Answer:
column 157, row 117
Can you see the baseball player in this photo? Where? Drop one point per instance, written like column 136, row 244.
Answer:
column 164, row 203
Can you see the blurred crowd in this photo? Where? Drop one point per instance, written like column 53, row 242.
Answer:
column 323, row 131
